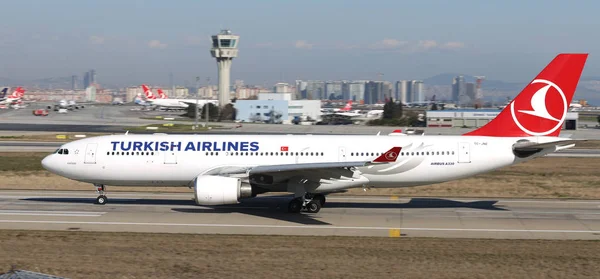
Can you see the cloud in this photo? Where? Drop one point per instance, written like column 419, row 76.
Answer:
column 303, row 44
column 97, row 40
column 388, row 44
column 427, row 44
column 453, row 45
column 156, row 44
column 195, row 40
column 412, row 47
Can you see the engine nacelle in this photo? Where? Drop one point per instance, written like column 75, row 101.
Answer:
column 218, row 190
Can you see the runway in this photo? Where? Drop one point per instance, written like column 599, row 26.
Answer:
column 342, row 216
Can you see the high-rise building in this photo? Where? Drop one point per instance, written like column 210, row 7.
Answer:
column 89, row 78
column 315, row 90
column 301, row 89
column 333, row 90
column 458, row 88
column 374, row 92
column 73, row 82
column 90, row 94
column 86, row 80
column 282, row 87
column 413, row 91
column 401, row 91
column 353, row 90
column 386, row 91
column 417, row 93
column 93, row 77
column 471, row 91
column 224, row 49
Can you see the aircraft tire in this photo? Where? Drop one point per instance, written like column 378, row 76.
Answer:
column 101, row 200
column 313, row 207
column 295, row 206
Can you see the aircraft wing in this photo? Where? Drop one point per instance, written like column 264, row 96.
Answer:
column 314, row 171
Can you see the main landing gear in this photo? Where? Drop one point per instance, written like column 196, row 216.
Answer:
column 310, row 203
column 101, row 199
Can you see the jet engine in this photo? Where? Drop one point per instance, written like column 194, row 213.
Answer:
column 218, row 190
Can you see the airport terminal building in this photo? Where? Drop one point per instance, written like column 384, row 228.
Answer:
column 276, row 108
column 472, row 118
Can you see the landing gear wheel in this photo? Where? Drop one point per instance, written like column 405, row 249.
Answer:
column 313, row 206
column 295, row 206
column 319, row 198
column 100, row 189
column 101, row 199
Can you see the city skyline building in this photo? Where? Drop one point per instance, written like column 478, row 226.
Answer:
column 458, row 88
column 73, row 82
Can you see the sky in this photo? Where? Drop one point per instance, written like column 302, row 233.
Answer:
column 134, row 41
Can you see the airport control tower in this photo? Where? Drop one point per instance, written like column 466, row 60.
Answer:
column 224, row 49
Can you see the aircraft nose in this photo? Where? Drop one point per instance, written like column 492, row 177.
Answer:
column 47, row 163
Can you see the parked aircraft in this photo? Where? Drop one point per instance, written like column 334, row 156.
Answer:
column 164, row 102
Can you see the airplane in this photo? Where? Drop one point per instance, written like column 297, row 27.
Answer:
column 347, row 107
column 575, row 105
column 14, row 100
column 348, row 112
column 167, row 103
column 228, row 168
column 70, row 105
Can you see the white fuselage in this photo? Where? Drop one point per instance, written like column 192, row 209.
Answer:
column 9, row 100
column 175, row 160
column 178, row 103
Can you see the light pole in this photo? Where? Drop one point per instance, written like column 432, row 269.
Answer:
column 196, row 108
column 207, row 103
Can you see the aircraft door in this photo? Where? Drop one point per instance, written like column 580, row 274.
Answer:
column 464, row 152
column 90, row 153
column 170, row 157
column 342, row 154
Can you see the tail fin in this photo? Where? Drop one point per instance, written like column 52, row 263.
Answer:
column 17, row 93
column 148, row 92
column 348, row 106
column 21, row 92
column 3, row 92
column 541, row 108
column 161, row 94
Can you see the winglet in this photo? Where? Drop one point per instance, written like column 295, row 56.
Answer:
column 389, row 156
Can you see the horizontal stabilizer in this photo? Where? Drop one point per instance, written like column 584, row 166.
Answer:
column 525, row 146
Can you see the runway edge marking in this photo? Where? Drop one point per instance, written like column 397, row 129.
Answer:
column 294, row 226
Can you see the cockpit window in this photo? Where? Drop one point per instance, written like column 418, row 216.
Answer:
column 66, row 151
column 60, row 151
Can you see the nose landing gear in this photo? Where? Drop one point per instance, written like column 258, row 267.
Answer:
column 101, row 199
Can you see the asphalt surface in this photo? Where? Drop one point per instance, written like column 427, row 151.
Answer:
column 342, row 215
